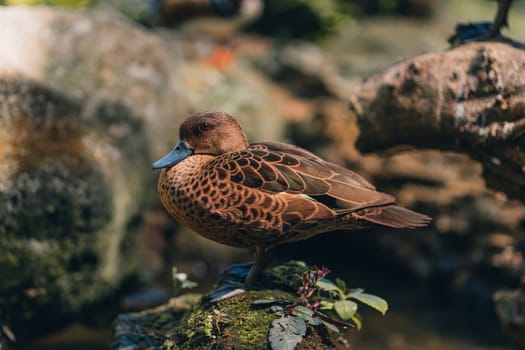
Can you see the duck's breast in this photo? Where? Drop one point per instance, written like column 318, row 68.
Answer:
column 208, row 202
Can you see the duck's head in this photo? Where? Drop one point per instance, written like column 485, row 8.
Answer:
column 211, row 133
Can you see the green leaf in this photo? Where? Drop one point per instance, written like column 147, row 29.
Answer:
column 357, row 320
column 345, row 309
column 286, row 332
column 316, row 321
column 340, row 284
column 302, row 311
column 277, row 309
column 373, row 301
column 299, row 326
column 263, row 302
column 331, row 327
column 328, row 286
column 327, row 305
column 306, row 314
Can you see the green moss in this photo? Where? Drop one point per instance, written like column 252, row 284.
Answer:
column 231, row 323
column 169, row 345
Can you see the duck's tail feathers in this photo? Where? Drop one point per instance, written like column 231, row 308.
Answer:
column 394, row 216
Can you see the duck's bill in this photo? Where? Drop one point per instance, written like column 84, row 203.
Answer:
column 180, row 152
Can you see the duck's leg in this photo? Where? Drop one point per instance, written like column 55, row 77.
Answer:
column 231, row 282
column 258, row 264
column 501, row 19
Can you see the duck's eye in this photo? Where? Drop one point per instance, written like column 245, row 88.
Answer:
column 202, row 127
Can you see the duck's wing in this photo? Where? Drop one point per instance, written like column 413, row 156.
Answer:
column 338, row 188
column 307, row 189
column 274, row 167
column 284, row 148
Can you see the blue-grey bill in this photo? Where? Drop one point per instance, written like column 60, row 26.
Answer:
column 180, row 152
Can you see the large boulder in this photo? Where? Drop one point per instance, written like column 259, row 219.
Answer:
column 161, row 76
column 467, row 99
column 72, row 183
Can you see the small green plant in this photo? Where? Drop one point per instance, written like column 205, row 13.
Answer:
column 180, row 281
column 319, row 302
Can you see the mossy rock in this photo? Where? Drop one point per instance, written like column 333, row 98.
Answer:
column 151, row 328
column 73, row 182
column 232, row 323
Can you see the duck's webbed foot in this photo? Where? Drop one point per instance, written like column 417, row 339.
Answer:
column 238, row 278
column 483, row 31
column 469, row 32
column 231, row 282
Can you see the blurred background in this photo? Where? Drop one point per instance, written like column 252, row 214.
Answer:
column 92, row 92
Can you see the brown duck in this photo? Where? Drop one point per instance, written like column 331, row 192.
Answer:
column 266, row 193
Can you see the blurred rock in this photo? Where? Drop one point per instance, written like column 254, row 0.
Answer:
column 151, row 328
column 299, row 18
column 161, row 76
column 73, row 185
column 87, row 54
column 321, row 19
column 495, row 262
column 510, row 306
column 217, row 19
column 466, row 99
column 304, row 69
column 144, row 299
column 177, row 11
column 413, row 8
